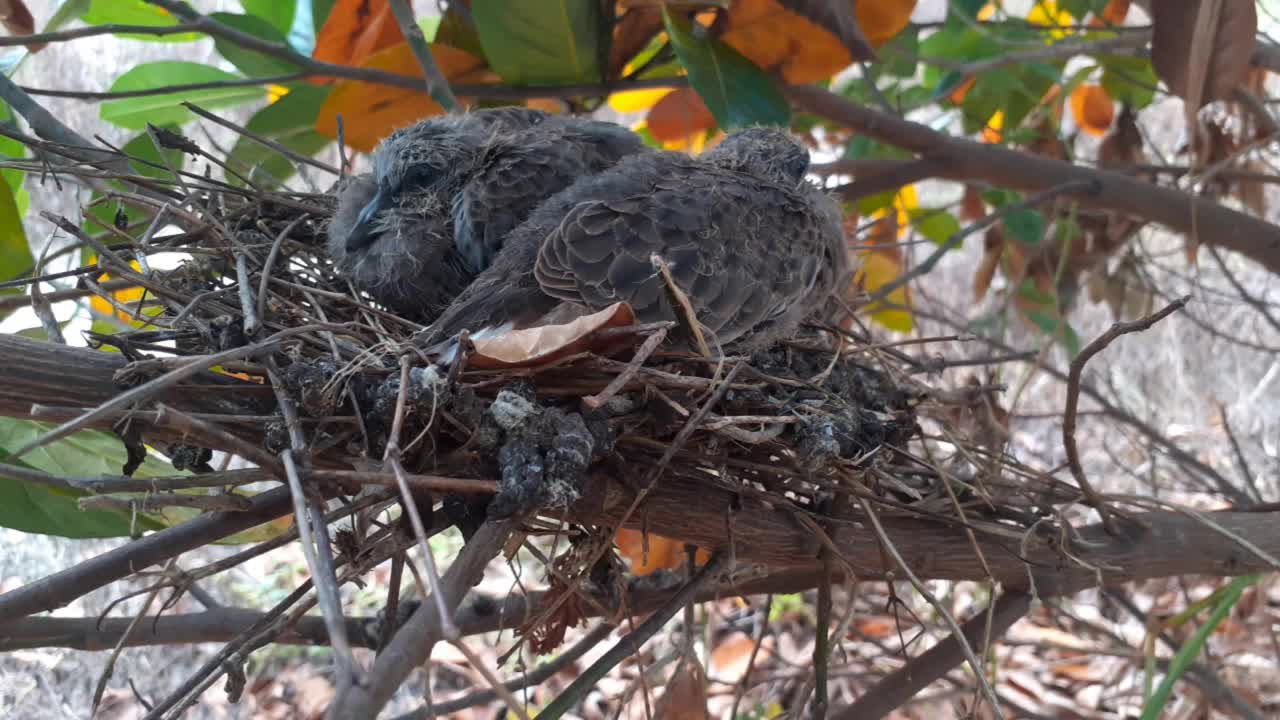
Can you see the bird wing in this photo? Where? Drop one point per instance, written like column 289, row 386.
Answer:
column 746, row 253
column 517, row 174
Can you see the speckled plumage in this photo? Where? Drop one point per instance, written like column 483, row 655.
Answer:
column 753, row 245
column 445, row 192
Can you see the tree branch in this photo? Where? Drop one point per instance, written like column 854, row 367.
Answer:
column 966, row 160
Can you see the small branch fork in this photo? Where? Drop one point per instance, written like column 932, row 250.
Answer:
column 1073, row 401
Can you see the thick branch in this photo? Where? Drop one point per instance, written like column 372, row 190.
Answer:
column 967, row 160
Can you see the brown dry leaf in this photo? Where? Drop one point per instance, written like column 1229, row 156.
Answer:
column 17, row 20
column 371, row 111
column 355, row 30
column 680, row 114
column 1227, row 46
column 1079, row 672
column 533, row 346
column 993, row 250
column 686, row 695
column 1122, row 148
column 1116, row 12
column 972, row 208
column 1093, row 109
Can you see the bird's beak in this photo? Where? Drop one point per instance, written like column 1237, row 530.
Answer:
column 362, row 232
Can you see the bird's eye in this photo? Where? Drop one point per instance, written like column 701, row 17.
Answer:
column 419, row 176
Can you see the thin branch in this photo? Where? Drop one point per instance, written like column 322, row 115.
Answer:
column 632, row 642
column 1073, row 401
column 437, row 84
column 411, row 646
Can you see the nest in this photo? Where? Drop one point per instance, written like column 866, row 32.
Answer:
column 579, row 430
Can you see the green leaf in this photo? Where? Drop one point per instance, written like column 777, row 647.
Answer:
column 936, row 225
column 53, row 511
column 142, row 148
column 320, row 10
column 901, row 55
column 542, row 42
column 1025, row 225
column 456, row 30
column 15, row 254
column 11, row 149
column 279, row 13
column 289, row 121
column 135, row 12
column 738, row 93
column 253, row 64
column 1230, row 596
column 134, row 113
column 1130, row 80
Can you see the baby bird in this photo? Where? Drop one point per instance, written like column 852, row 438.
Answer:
column 445, row 192
column 753, row 245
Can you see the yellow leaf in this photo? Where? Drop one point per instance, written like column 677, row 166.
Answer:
column 371, row 112
column 275, row 92
column 987, row 12
column 629, row 101
column 881, row 264
column 1045, row 13
column 993, row 133
column 905, row 201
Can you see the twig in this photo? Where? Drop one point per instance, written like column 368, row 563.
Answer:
column 957, row 633
column 631, row 643
column 270, row 262
column 391, row 458
column 159, row 501
column 437, row 84
column 1073, row 401
column 987, row 221
column 1246, row 472
column 109, row 666
column 310, row 521
column 529, row 679
column 62, row 587
column 411, row 646
column 594, row 402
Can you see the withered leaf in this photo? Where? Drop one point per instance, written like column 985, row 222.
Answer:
column 1229, row 43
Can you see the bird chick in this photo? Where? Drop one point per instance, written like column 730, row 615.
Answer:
column 445, row 192
column 752, row 244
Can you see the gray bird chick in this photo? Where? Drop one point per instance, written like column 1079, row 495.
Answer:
column 445, row 192
column 754, row 246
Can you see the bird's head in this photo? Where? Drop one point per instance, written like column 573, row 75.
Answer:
column 771, row 152
column 433, row 156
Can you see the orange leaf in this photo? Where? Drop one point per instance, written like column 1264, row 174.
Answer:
column 663, row 552
column 679, row 114
column 1116, row 12
column 1093, row 109
column 775, row 38
column 355, row 30
column 882, row 20
column 370, row 112
column 958, row 95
